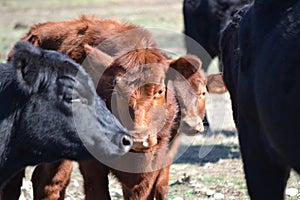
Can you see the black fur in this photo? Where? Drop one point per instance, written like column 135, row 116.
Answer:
column 266, row 79
column 203, row 22
column 48, row 107
column 229, row 54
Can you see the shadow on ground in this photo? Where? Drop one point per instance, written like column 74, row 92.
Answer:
column 202, row 154
column 227, row 133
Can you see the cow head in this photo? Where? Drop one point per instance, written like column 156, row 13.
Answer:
column 189, row 83
column 143, row 103
column 191, row 86
column 60, row 106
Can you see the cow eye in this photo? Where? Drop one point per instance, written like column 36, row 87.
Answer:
column 67, row 98
column 160, row 92
column 202, row 95
column 116, row 80
column 72, row 97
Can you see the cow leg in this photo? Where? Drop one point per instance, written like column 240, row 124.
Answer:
column 49, row 181
column 12, row 189
column 139, row 191
column 266, row 174
column 126, row 192
column 143, row 189
column 145, row 192
column 162, row 184
column 95, row 176
column 134, row 194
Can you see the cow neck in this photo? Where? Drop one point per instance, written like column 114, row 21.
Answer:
column 8, row 115
column 8, row 164
column 10, row 102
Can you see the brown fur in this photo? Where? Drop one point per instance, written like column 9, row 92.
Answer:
column 71, row 35
column 50, row 175
column 131, row 46
column 129, row 71
column 191, row 90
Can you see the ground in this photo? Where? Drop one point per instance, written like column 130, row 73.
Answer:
column 210, row 165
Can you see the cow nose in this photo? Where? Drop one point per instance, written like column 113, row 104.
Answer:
column 125, row 143
column 187, row 129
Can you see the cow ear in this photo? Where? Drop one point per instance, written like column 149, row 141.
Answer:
column 186, row 65
column 97, row 60
column 31, row 37
column 25, row 60
column 215, row 83
column 97, row 57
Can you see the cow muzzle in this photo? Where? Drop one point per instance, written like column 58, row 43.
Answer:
column 143, row 141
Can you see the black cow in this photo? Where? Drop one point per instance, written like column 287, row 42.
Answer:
column 48, row 107
column 229, row 54
column 266, row 85
column 203, row 22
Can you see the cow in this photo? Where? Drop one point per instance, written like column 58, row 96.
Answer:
column 230, row 53
column 41, row 93
column 127, row 70
column 265, row 86
column 203, row 22
column 114, row 40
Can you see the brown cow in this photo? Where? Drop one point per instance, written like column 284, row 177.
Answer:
column 116, row 39
column 153, row 109
column 127, row 71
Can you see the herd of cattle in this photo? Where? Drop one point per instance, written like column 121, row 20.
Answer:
column 67, row 85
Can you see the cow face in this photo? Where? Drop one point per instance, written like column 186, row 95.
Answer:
column 191, row 86
column 143, row 94
column 62, row 107
column 137, row 79
column 189, row 83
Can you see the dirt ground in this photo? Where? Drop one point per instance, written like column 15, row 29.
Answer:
column 210, row 164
